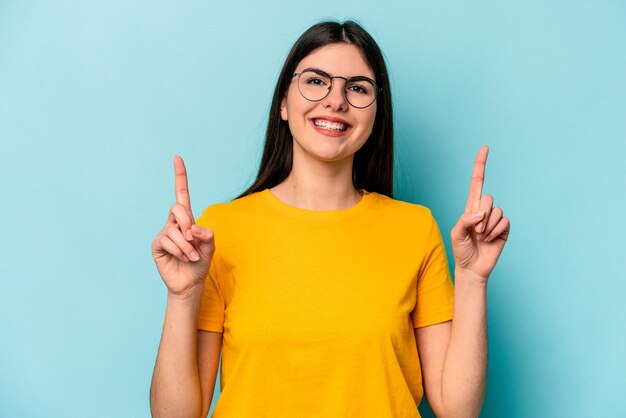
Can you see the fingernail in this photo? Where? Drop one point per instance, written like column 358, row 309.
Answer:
column 194, row 256
column 189, row 236
column 478, row 214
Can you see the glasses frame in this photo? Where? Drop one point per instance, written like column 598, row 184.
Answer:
column 319, row 72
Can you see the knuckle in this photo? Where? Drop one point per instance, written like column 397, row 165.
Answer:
column 163, row 241
column 173, row 230
column 175, row 207
column 179, row 210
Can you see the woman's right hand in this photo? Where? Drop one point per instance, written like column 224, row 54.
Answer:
column 182, row 250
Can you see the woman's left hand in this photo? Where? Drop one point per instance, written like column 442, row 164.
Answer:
column 478, row 240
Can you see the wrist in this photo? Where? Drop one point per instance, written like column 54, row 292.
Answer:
column 191, row 295
column 469, row 278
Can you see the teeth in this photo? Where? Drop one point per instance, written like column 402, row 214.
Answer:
column 329, row 125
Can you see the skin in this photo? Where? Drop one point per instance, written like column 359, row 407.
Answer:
column 187, row 362
column 453, row 354
column 321, row 176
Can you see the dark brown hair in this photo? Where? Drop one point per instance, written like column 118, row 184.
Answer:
column 372, row 168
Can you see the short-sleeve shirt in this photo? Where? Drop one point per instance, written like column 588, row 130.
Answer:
column 318, row 308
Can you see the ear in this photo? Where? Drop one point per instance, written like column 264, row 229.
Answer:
column 283, row 109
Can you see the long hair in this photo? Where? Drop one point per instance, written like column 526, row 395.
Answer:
column 372, row 167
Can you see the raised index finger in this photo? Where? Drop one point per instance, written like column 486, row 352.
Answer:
column 478, row 178
column 181, row 188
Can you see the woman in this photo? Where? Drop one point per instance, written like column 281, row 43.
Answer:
column 319, row 287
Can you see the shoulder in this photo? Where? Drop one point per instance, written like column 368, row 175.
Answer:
column 221, row 212
column 406, row 212
column 406, row 224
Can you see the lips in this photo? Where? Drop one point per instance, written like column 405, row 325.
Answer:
column 333, row 126
column 330, row 123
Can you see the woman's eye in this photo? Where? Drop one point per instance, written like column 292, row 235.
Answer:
column 356, row 88
column 316, row 81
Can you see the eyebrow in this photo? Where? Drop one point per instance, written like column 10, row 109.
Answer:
column 325, row 74
column 317, row 71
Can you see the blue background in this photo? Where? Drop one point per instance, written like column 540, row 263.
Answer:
column 97, row 97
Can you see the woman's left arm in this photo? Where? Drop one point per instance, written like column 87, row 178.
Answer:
column 453, row 354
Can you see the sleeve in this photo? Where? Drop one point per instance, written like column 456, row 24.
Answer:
column 211, row 317
column 212, row 306
column 435, row 291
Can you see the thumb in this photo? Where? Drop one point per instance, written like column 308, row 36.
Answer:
column 206, row 245
column 465, row 225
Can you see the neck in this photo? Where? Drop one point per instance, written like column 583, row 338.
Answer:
column 319, row 185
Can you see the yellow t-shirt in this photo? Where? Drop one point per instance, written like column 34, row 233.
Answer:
column 317, row 308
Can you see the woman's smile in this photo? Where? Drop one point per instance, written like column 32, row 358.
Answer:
column 330, row 126
column 332, row 117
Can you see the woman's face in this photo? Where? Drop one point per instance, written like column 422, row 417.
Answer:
column 309, row 121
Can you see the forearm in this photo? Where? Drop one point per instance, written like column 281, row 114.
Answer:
column 175, row 389
column 465, row 368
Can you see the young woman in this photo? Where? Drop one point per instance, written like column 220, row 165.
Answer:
column 324, row 295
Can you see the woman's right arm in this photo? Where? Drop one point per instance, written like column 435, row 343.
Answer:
column 184, row 378
column 182, row 252
column 209, row 349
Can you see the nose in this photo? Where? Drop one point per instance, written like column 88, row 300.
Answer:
column 336, row 97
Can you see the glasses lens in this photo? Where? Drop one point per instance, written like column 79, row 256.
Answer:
column 313, row 86
column 360, row 92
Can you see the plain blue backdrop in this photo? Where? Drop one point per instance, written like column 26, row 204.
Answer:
column 97, row 97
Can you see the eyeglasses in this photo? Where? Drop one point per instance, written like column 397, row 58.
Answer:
column 314, row 85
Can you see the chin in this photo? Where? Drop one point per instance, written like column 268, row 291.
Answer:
column 324, row 151
column 329, row 155
column 328, row 158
